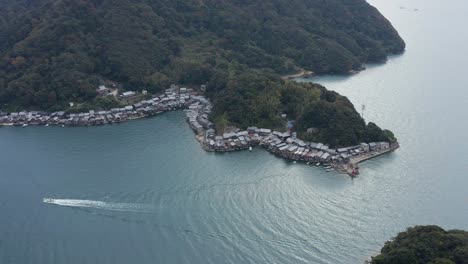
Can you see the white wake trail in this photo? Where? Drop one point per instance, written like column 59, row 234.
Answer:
column 126, row 207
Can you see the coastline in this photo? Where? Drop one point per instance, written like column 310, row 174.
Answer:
column 198, row 108
column 172, row 99
column 283, row 144
column 301, row 74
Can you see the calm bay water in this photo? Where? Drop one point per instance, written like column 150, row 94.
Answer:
column 165, row 200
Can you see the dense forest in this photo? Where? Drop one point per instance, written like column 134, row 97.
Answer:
column 425, row 245
column 258, row 98
column 57, row 51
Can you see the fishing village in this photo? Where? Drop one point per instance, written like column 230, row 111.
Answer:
column 198, row 109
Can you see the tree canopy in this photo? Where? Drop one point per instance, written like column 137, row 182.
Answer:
column 57, row 51
column 425, row 245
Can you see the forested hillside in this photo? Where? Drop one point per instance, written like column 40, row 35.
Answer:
column 55, row 51
column 425, row 245
column 58, row 51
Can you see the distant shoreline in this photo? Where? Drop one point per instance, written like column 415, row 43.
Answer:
column 300, row 74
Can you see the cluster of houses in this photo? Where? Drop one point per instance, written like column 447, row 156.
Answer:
column 198, row 116
column 198, row 110
column 284, row 144
column 287, row 145
column 173, row 98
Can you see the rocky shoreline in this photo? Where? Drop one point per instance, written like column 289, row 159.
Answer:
column 198, row 108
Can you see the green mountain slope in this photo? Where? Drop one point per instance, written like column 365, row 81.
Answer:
column 55, row 51
column 58, row 51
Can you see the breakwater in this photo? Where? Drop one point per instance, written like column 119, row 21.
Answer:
column 198, row 108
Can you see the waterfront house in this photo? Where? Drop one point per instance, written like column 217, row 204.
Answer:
column 384, row 145
column 365, row 147
column 292, row 148
column 210, row 133
column 299, row 142
column 331, row 151
column 325, row 157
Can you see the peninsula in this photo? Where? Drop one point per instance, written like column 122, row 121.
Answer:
column 58, row 54
column 198, row 110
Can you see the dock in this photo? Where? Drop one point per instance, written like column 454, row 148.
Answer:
column 358, row 159
column 351, row 167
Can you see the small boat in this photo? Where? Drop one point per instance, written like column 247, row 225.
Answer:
column 48, row 200
column 25, row 125
column 47, row 125
column 63, row 125
column 318, row 164
column 294, row 162
column 250, row 148
column 330, row 170
column 308, row 163
column 328, row 167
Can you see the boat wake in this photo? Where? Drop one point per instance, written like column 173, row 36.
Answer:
column 125, row 207
column 146, row 208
